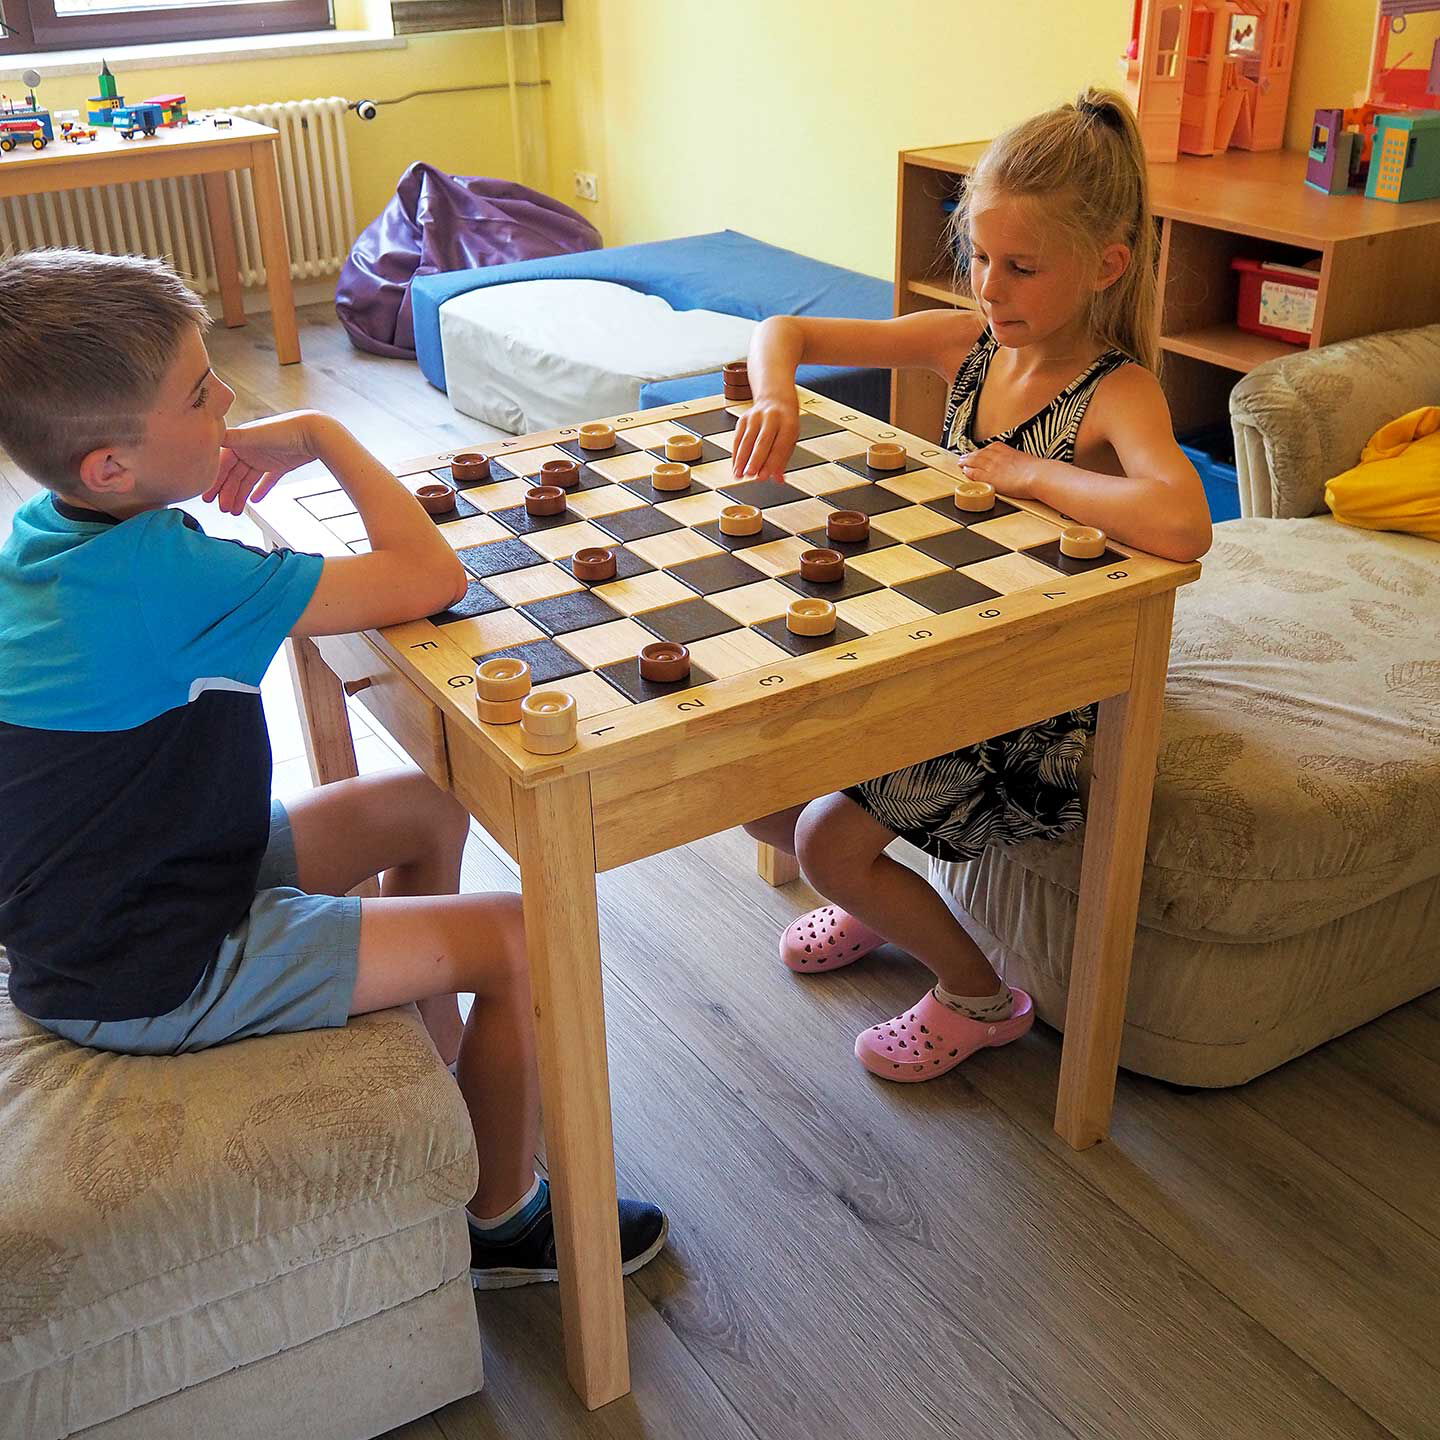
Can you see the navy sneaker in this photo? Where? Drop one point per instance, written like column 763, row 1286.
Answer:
column 528, row 1257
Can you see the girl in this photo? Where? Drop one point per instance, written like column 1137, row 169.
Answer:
column 1052, row 397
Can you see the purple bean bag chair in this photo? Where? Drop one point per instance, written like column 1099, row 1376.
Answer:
column 437, row 222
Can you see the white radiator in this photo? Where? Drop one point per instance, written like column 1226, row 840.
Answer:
column 167, row 217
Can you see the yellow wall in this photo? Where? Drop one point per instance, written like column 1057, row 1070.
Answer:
column 467, row 134
column 782, row 118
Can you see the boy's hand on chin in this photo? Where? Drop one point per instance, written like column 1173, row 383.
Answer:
column 255, row 456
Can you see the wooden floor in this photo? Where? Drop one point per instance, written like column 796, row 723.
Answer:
column 855, row 1259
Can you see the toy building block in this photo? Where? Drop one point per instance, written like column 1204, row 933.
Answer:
column 1082, row 542
column 974, row 495
column 1334, row 154
column 670, row 475
column 172, row 109
column 664, row 661
column 547, row 722
column 596, row 435
column 684, row 447
column 741, row 520
column 807, row 616
column 501, row 684
column 823, row 566
column 470, row 465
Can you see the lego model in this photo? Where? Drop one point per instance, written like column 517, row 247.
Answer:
column 172, row 107
column 1204, row 75
column 132, row 120
column 103, row 105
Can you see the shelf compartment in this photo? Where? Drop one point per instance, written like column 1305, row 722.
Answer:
column 1227, row 345
column 946, row 294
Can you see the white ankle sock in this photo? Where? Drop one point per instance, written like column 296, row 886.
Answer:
column 494, row 1222
column 999, row 1006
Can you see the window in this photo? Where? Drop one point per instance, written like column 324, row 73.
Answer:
column 413, row 17
column 37, row 25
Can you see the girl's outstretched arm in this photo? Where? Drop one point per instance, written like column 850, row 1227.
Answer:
column 1158, row 504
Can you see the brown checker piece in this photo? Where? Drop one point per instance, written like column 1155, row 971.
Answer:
column 568, row 629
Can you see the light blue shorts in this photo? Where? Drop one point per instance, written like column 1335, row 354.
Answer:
column 288, row 965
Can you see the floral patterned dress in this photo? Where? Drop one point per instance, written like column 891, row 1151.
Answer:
column 1022, row 785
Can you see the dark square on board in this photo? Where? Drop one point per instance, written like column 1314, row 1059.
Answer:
column 646, row 491
column 945, row 505
column 709, row 451
column 947, row 592
column 869, row 498
column 867, row 472
column 960, row 547
column 777, row 631
column 763, row 536
column 636, row 524
column 707, row 422
column 627, row 566
column 1049, row 554
column 813, row 425
column 713, row 573
column 573, row 447
column 498, row 557
column 477, row 600
column 522, row 522
column 850, row 584
column 625, row 676
column 687, row 621
column 547, row 661
column 498, row 472
column 560, row 614
column 764, row 494
column 875, row 540
column 462, row 509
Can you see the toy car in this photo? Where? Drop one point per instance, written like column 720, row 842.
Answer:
column 15, row 132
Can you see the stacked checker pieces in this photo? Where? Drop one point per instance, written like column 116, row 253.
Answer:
column 685, row 574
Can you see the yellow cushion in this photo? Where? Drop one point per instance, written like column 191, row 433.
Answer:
column 1396, row 485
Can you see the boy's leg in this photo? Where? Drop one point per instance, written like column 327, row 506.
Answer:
column 841, row 850
column 398, row 825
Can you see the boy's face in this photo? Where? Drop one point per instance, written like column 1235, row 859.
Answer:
column 177, row 456
column 1029, row 283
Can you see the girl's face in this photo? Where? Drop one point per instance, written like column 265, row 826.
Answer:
column 1029, row 283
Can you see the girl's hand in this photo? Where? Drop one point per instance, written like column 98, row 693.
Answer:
column 765, row 438
column 1011, row 472
column 255, row 456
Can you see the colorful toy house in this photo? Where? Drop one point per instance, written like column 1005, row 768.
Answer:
column 1405, row 163
column 103, row 105
column 1207, row 74
column 1394, row 85
column 172, row 107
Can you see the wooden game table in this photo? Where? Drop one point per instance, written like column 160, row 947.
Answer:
column 652, row 776
column 200, row 148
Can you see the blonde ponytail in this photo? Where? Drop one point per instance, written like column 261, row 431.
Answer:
column 1087, row 162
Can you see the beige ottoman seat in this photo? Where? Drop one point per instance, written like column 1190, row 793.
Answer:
column 1291, row 888
column 259, row 1240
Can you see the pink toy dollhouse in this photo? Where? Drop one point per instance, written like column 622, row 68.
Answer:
column 1207, row 74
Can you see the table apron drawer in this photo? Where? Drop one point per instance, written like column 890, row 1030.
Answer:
column 398, row 705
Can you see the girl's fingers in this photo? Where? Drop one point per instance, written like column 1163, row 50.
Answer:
column 744, row 440
column 764, row 443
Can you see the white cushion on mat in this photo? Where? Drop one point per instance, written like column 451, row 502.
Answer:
column 539, row 354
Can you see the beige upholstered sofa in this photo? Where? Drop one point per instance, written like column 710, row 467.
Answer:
column 262, row 1240
column 1292, row 876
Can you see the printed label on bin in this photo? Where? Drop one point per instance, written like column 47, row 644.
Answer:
column 1287, row 307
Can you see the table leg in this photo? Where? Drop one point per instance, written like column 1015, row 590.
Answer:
column 1126, row 743
column 222, row 243
column 275, row 248
column 556, row 843
column 775, row 866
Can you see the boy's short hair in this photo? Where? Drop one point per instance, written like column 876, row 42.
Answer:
column 85, row 341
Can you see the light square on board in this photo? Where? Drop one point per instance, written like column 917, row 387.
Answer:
column 1009, row 573
column 734, row 653
column 644, row 592
column 328, row 504
column 712, row 474
column 881, row 610
column 504, row 495
column 918, row 486
column 358, row 547
column 916, row 522
column 695, row 509
column 651, row 436
column 800, row 515
column 478, row 530
column 598, row 645
column 607, row 500
column 539, row 582
column 780, row 557
column 1018, row 530
column 347, row 527
column 821, row 479
column 763, row 600
column 896, row 564
column 592, row 695
column 841, row 445
column 673, row 548
column 635, row 466
column 528, row 462
column 556, row 544
column 484, row 633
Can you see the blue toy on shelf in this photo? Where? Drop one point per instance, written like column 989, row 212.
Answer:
column 133, row 120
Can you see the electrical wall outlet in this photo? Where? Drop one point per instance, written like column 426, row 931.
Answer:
column 587, row 187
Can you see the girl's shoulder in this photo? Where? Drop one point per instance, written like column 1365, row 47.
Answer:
column 1127, row 395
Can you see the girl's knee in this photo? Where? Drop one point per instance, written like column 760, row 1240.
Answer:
column 827, row 845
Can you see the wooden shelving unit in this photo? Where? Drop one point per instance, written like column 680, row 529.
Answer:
column 1379, row 266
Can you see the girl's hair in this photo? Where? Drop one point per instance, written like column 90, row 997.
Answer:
column 1086, row 161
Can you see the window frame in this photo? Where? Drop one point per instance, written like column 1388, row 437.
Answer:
column 38, row 29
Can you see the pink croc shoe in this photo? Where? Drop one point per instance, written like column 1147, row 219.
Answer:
column 932, row 1038
column 826, row 939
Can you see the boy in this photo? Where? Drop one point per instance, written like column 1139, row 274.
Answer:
column 152, row 899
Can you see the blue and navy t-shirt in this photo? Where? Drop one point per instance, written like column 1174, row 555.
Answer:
column 134, row 759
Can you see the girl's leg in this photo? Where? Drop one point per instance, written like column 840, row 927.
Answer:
column 777, row 829
column 398, row 825
column 841, row 852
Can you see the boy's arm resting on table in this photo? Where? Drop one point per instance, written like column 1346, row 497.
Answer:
column 936, row 340
column 1159, row 503
column 410, row 570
